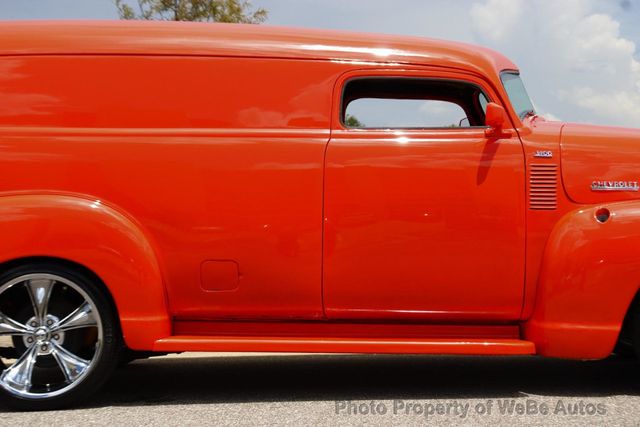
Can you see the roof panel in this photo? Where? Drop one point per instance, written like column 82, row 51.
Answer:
column 181, row 38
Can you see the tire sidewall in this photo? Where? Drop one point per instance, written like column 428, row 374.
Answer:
column 109, row 353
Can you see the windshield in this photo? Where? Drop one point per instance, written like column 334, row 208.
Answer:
column 517, row 93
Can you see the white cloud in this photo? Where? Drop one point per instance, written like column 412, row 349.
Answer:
column 574, row 59
column 496, row 19
column 617, row 106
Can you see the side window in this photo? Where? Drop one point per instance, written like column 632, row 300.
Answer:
column 482, row 99
column 410, row 103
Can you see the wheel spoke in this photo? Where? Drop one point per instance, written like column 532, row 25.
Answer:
column 18, row 376
column 72, row 366
column 81, row 317
column 44, row 334
column 40, row 291
column 8, row 326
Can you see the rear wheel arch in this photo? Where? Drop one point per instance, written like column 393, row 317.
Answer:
column 90, row 235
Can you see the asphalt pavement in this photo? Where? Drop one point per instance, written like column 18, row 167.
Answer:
column 269, row 390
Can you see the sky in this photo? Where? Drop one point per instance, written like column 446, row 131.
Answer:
column 579, row 58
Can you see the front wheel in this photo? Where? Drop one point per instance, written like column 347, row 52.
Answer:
column 59, row 336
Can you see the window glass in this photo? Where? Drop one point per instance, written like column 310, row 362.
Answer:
column 409, row 103
column 517, row 94
column 404, row 113
column 482, row 99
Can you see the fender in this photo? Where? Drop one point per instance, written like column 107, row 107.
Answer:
column 103, row 240
column 590, row 274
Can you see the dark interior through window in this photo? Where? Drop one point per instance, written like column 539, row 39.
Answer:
column 404, row 103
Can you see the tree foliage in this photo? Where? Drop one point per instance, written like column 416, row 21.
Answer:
column 237, row 11
column 353, row 122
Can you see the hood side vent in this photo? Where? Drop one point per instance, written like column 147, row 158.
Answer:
column 543, row 187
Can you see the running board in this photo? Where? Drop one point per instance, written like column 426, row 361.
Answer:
column 474, row 346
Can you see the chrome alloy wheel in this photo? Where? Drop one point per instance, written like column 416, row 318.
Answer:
column 56, row 332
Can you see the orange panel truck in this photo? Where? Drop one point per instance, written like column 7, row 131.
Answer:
column 172, row 187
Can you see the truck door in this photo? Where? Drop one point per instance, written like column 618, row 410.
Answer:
column 424, row 214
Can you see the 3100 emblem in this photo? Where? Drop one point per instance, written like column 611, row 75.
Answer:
column 544, row 154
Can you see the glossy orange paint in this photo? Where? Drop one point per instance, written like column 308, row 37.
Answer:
column 588, row 157
column 399, row 205
column 239, row 171
column 540, row 136
column 205, row 186
column 345, row 345
column 97, row 236
column 589, row 276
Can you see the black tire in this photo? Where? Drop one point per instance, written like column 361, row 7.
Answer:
column 106, row 352
column 126, row 356
column 624, row 350
column 628, row 345
column 634, row 329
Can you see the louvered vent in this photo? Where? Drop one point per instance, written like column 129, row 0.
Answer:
column 543, row 187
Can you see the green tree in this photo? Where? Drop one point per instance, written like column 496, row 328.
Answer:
column 353, row 122
column 238, row 11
